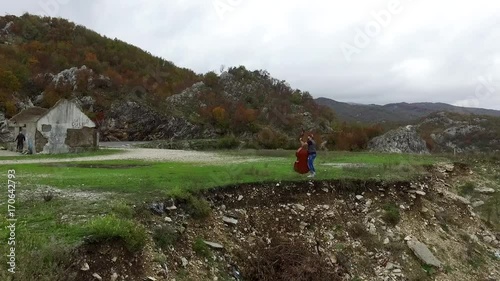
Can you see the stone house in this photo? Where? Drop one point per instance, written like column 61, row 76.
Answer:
column 62, row 129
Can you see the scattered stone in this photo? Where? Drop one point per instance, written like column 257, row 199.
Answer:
column 372, row 229
column 97, row 276
column 303, row 225
column 333, row 258
column 477, row 204
column 172, row 208
column 230, row 221
column 325, row 190
column 419, row 192
column 368, row 203
column 484, row 190
column 497, row 254
column 85, row 267
column 386, row 241
column 359, row 197
column 168, row 219
column 184, row 262
column 423, row 252
column 214, row 245
column 240, row 197
column 114, row 276
column 397, row 270
column 157, row 208
column 299, row 207
column 487, row 239
column 474, row 238
column 449, row 167
column 151, row 278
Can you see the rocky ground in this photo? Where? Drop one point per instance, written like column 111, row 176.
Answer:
column 328, row 230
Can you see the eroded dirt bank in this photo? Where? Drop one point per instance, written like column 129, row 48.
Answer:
column 313, row 230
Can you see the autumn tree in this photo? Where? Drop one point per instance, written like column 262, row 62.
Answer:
column 220, row 116
column 8, row 81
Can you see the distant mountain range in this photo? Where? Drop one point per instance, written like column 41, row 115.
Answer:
column 395, row 112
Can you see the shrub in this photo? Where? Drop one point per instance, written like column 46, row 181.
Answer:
column 198, row 208
column 110, row 227
column 228, row 142
column 270, row 139
column 288, row 260
column 467, row 189
column 391, row 215
column 202, row 249
column 165, row 236
column 122, row 209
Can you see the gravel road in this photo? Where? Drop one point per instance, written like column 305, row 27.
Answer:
column 144, row 154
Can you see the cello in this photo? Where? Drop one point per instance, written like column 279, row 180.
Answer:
column 300, row 166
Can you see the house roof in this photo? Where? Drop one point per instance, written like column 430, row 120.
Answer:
column 29, row 115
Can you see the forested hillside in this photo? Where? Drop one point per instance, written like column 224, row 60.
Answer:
column 133, row 95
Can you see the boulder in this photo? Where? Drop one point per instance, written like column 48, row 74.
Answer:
column 423, row 253
column 402, row 140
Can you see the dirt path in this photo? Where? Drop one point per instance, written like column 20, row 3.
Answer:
column 144, row 154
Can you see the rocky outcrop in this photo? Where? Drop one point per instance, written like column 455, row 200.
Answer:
column 133, row 121
column 5, row 134
column 402, row 140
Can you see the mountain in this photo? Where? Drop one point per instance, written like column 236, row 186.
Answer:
column 133, row 95
column 395, row 112
column 443, row 132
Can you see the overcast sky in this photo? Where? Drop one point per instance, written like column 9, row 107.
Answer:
column 363, row 51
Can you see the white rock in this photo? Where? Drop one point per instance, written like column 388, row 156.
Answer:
column 97, row 276
column 240, row 197
column 419, row 192
column 85, row 267
column 386, row 241
column 477, row 204
column 487, row 239
column 168, row 219
column 184, row 261
column 214, row 245
column 359, row 197
column 114, row 276
column 485, row 190
column 300, row 207
column 230, row 221
column 423, row 252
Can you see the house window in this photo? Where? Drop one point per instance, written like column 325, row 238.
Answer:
column 46, row 128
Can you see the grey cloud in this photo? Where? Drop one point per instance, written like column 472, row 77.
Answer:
column 299, row 42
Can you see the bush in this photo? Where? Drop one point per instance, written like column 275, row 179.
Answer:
column 391, row 215
column 467, row 189
column 198, row 208
column 228, row 142
column 165, row 236
column 269, row 139
column 288, row 260
column 122, row 209
column 110, row 227
column 202, row 249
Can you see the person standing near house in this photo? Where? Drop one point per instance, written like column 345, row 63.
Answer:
column 311, row 149
column 20, row 141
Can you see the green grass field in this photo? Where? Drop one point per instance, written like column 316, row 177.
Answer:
column 88, row 190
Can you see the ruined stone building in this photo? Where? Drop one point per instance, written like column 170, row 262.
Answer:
column 63, row 128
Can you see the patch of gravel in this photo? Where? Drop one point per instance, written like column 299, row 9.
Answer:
column 71, row 194
column 146, row 154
